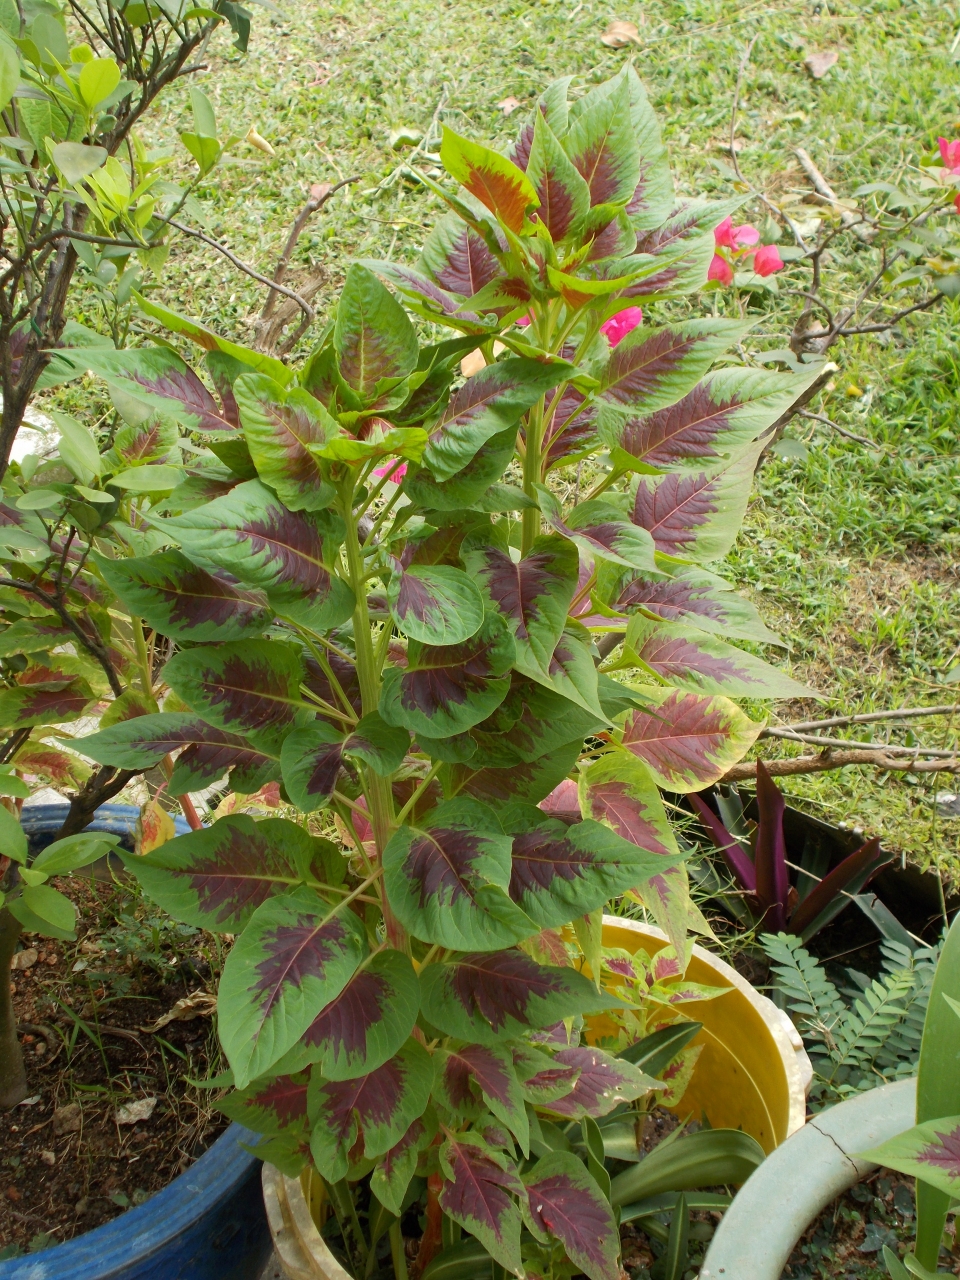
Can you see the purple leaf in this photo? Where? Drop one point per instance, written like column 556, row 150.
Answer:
column 561, row 872
column 250, row 686
column 373, row 338
column 447, row 689
column 344, row 673
column 719, row 416
column 500, row 995
column 367, row 1022
column 946, row 1155
column 770, row 857
column 425, row 292
column 391, row 1178
column 273, row 1106
column 698, row 598
column 688, row 741
column 251, row 535
column 372, row 1112
column 40, row 697
column 602, row 146
column 435, row 604
column 165, row 376
column 730, row 847
column 604, row 1082
column 215, row 878
column 446, row 879
column 701, row 663
column 184, row 602
column 568, row 432
column 651, row 368
column 532, row 595
column 529, row 781
column 206, row 752
column 478, row 1192
column 696, row 516
column 850, row 875
column 310, row 760
column 279, row 427
column 490, row 402
column 565, row 1203
column 295, row 956
column 457, row 258
column 489, row 1070
column 564, row 195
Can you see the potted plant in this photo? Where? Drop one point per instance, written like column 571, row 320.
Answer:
column 381, row 593
column 909, row 1125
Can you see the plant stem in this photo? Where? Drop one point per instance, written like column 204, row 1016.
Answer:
column 341, row 1201
column 531, row 477
column 378, row 791
column 143, row 660
column 397, row 1253
column 13, row 1077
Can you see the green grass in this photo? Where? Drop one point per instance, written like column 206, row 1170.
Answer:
column 852, row 550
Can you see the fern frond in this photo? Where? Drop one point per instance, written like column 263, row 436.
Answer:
column 811, row 996
column 861, row 1034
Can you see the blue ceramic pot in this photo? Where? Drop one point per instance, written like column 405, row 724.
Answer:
column 208, row 1224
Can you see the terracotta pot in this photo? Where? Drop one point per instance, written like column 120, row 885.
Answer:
column 753, row 1075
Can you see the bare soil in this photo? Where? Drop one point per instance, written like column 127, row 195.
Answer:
column 68, row 1163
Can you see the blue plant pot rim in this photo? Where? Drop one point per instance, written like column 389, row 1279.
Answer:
column 153, row 1228
column 142, row 1233
column 114, row 819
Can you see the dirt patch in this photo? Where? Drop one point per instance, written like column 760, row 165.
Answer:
column 110, row 1118
column 846, row 1241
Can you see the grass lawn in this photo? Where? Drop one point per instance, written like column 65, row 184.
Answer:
column 852, row 550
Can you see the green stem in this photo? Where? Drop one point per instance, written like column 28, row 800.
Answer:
column 341, row 1201
column 378, row 791
column 143, row 659
column 530, row 528
column 397, row 1253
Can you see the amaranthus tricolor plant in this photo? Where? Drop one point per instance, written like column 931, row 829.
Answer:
column 381, row 587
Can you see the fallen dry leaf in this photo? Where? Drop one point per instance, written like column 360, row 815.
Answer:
column 134, row 1112
column 154, row 827
column 201, row 1004
column 67, row 1119
column 620, row 33
column 257, row 140
column 472, row 363
column 509, row 105
column 25, row 959
column 818, row 64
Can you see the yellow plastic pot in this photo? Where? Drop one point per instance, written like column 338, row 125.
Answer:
column 752, row 1074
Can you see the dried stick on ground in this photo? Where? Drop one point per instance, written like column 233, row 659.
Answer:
column 835, row 759
column 271, row 324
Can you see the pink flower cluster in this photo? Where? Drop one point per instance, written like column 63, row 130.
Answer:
column 615, row 328
column 950, row 154
column 736, row 244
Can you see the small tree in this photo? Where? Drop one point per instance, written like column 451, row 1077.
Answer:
column 382, row 588
column 74, row 82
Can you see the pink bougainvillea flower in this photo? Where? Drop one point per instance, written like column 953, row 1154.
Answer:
column 621, row 324
column 524, row 321
column 956, row 202
column 720, row 269
column 950, row 154
column 727, row 236
column 393, row 469
column 767, row 260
